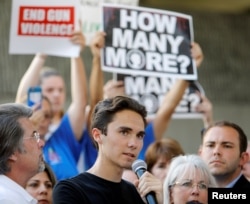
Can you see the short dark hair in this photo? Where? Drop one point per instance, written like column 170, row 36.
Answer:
column 105, row 110
column 11, row 132
column 224, row 123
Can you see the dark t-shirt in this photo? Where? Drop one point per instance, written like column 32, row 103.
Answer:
column 90, row 189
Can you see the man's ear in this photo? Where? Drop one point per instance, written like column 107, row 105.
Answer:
column 244, row 158
column 96, row 134
column 13, row 157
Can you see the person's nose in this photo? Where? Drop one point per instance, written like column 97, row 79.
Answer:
column 57, row 93
column 43, row 189
column 195, row 189
column 133, row 143
column 217, row 150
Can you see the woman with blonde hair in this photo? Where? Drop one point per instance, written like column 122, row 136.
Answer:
column 187, row 181
column 159, row 154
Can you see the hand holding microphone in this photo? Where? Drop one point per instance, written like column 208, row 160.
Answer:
column 140, row 167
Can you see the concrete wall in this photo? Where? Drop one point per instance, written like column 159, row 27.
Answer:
column 224, row 73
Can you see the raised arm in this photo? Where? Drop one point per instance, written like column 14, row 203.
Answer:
column 96, row 75
column 173, row 97
column 30, row 77
column 205, row 107
column 76, row 110
column 169, row 103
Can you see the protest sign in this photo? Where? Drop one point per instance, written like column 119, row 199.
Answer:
column 91, row 15
column 144, row 41
column 44, row 26
column 150, row 92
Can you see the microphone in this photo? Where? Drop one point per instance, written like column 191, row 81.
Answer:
column 139, row 167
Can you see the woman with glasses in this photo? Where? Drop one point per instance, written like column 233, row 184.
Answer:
column 187, row 181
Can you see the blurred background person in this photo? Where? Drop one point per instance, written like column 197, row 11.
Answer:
column 159, row 155
column 65, row 137
column 41, row 185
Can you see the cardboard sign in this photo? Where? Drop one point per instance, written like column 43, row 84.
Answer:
column 150, row 92
column 151, row 42
column 91, row 15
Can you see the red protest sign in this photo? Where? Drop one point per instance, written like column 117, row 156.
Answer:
column 46, row 21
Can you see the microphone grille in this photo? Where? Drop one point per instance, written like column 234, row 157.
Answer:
column 139, row 164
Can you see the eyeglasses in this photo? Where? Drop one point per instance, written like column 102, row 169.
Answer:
column 35, row 136
column 188, row 185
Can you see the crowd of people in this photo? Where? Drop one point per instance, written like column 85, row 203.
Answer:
column 85, row 154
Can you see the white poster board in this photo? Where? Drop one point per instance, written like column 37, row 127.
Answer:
column 91, row 15
column 44, row 26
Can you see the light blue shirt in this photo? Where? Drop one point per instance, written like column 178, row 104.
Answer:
column 230, row 185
